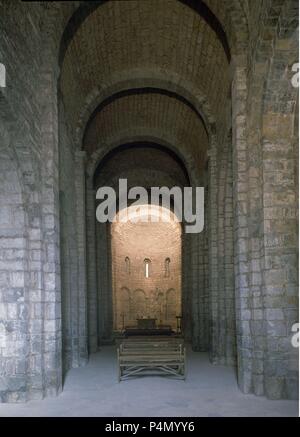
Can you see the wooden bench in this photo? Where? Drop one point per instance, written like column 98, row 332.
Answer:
column 151, row 356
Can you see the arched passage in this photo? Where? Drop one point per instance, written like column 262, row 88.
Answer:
column 142, row 164
column 147, row 238
column 173, row 110
column 146, row 96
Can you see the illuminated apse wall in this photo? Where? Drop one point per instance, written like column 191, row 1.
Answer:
column 146, row 268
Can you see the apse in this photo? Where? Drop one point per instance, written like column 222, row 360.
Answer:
column 146, row 267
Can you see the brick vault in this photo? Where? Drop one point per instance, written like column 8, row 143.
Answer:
column 163, row 93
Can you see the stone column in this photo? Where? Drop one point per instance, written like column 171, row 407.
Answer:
column 220, row 357
column 230, row 352
column 105, row 310
column 91, row 265
column 186, row 287
column 240, row 207
column 213, row 250
column 255, row 343
column 51, row 331
column 280, row 274
column 199, row 299
column 195, row 291
column 226, row 351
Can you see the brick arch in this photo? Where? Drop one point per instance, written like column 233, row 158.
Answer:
column 233, row 17
column 144, row 91
column 91, row 68
column 150, row 111
column 198, row 6
column 143, row 164
column 153, row 179
column 137, row 137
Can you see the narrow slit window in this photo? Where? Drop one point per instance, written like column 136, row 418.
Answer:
column 147, row 263
column 127, row 265
column 167, row 267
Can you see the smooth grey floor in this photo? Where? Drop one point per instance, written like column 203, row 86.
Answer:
column 208, row 391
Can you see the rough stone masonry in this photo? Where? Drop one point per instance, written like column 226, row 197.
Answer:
column 163, row 93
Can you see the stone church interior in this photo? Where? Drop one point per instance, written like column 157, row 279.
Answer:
column 162, row 93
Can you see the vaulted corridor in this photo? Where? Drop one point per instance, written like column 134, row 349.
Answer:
column 181, row 94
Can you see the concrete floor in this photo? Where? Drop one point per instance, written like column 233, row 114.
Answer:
column 209, row 391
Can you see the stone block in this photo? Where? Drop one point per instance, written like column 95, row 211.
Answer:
column 276, row 328
column 274, row 387
column 274, row 314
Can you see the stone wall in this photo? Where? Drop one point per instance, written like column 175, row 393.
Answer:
column 30, row 294
column 240, row 276
column 72, row 249
column 265, row 200
column 104, row 283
